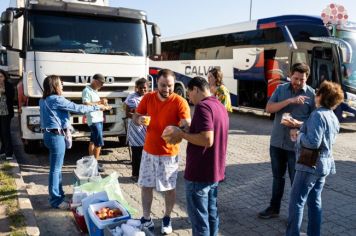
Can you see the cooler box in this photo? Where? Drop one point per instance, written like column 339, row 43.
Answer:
column 96, row 226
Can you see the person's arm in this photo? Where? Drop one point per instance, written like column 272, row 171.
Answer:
column 273, row 107
column 312, row 135
column 138, row 119
column 140, row 111
column 129, row 111
column 129, row 106
column 65, row 104
column 204, row 139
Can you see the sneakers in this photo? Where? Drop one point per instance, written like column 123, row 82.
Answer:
column 148, row 224
column 101, row 167
column 166, row 227
column 268, row 213
column 64, row 206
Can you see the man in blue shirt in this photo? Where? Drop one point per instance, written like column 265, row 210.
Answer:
column 95, row 119
column 297, row 99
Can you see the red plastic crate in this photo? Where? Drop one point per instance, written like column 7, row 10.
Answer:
column 80, row 220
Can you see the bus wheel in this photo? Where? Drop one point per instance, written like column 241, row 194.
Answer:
column 32, row 146
column 178, row 89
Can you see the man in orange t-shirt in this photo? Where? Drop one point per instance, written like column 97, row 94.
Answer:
column 159, row 162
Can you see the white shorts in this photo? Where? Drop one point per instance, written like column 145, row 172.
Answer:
column 158, row 172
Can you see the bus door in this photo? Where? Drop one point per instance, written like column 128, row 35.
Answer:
column 325, row 63
column 322, row 66
column 249, row 71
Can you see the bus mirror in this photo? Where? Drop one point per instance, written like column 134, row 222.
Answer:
column 156, row 46
column 6, row 35
column 155, row 30
column 7, row 17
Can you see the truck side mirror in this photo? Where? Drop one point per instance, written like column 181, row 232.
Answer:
column 6, row 35
column 156, row 46
column 156, row 30
column 7, row 17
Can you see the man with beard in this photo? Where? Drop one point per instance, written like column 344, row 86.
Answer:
column 296, row 99
column 159, row 162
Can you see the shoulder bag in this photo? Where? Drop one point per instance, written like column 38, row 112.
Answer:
column 308, row 157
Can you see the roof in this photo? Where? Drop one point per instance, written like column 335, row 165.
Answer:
column 248, row 26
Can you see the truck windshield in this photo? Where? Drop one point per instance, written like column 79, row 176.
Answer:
column 350, row 75
column 81, row 34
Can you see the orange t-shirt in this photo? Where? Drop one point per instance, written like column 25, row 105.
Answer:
column 163, row 114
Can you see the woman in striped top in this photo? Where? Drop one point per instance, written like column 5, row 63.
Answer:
column 136, row 133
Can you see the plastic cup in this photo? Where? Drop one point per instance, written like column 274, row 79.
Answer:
column 147, row 120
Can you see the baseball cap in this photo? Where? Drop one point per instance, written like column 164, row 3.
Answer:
column 99, row 77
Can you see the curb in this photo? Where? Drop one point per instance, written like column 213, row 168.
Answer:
column 24, row 202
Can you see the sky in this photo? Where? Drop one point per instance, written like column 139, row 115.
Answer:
column 176, row 17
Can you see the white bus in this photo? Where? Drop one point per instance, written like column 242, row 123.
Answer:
column 255, row 56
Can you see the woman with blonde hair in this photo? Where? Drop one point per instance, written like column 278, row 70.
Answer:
column 54, row 114
column 217, row 88
column 315, row 161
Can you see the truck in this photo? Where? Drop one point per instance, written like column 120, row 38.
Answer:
column 75, row 39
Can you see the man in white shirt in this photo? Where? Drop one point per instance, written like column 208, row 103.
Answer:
column 95, row 119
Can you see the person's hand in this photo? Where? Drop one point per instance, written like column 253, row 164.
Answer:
column 294, row 134
column 292, row 123
column 104, row 101
column 102, row 107
column 107, row 108
column 298, row 99
column 289, row 121
column 173, row 137
column 144, row 120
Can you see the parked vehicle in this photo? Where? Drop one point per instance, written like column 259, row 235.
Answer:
column 75, row 39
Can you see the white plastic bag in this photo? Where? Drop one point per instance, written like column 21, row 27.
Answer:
column 87, row 167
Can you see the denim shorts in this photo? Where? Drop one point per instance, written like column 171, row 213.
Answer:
column 96, row 135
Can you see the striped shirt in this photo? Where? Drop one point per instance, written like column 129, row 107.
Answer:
column 135, row 133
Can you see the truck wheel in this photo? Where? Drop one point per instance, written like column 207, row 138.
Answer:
column 32, row 146
column 178, row 89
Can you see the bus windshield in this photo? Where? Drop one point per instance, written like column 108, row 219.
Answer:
column 350, row 75
column 81, row 34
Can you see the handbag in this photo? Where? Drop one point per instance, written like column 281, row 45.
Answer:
column 68, row 140
column 308, row 157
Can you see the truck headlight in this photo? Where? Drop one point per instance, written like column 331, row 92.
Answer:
column 33, row 120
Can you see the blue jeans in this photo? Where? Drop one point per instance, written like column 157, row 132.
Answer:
column 56, row 146
column 306, row 188
column 280, row 159
column 202, row 207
